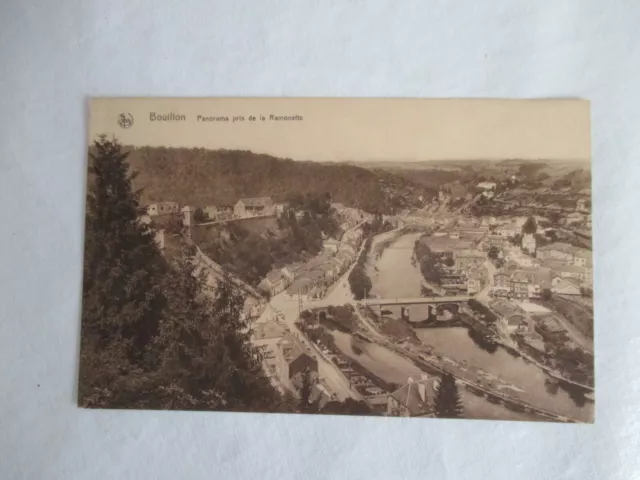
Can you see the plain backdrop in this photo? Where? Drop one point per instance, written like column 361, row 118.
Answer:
column 55, row 54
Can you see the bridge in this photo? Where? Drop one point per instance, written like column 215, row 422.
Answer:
column 381, row 302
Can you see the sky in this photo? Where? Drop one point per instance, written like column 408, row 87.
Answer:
column 331, row 129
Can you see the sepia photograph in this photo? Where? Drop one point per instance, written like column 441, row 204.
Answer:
column 380, row 257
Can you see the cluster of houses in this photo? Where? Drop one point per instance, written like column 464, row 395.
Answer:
column 559, row 267
column 243, row 208
column 312, row 279
column 249, row 207
column 286, row 359
column 466, row 272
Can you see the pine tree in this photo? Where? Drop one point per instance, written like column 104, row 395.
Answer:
column 447, row 402
column 305, row 391
column 529, row 226
column 122, row 267
column 153, row 335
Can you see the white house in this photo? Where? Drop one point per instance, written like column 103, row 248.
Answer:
column 565, row 286
column 253, row 207
column 162, row 208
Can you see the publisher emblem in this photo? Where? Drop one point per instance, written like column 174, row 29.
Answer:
column 125, row 120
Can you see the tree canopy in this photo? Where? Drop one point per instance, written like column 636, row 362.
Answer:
column 529, row 226
column 447, row 403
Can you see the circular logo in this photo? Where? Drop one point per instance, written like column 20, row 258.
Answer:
column 125, row 120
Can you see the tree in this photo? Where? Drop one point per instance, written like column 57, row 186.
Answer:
column 359, row 282
column 449, row 262
column 545, row 294
column 199, row 216
column 529, row 226
column 493, row 253
column 123, row 267
column 305, row 391
column 447, row 403
column 153, row 336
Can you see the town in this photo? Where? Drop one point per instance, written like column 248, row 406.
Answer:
column 485, row 283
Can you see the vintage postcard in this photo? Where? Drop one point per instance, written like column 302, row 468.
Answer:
column 390, row 257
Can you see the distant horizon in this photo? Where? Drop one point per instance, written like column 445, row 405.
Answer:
column 586, row 161
column 354, row 129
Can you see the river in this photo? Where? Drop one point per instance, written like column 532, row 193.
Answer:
column 394, row 276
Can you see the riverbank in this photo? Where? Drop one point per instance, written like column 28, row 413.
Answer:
column 396, row 277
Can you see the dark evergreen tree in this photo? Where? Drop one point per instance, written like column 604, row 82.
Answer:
column 199, row 216
column 447, row 403
column 153, row 334
column 305, row 391
column 122, row 299
column 529, row 226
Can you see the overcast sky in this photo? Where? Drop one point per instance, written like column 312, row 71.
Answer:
column 359, row 129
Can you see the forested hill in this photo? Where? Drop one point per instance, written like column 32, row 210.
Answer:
column 213, row 177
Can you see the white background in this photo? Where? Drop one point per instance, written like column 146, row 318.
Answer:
column 55, row 54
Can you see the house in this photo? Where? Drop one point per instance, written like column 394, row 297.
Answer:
column 501, row 284
column 453, row 281
column 288, row 275
column 510, row 315
column 474, row 285
column 253, row 207
column 565, row 286
column 566, row 253
column 211, row 211
column 218, row 212
column 529, row 243
column 330, row 244
column 292, row 360
column 163, row 208
column 471, row 233
column 487, row 186
column 300, row 288
column 266, row 337
column 493, row 241
column 488, row 189
column 413, row 399
column 519, row 283
column 583, row 274
column 273, row 283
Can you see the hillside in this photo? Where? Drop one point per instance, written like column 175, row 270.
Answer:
column 213, row 177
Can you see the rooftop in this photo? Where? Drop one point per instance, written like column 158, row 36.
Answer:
column 504, row 308
column 409, row 395
column 267, row 330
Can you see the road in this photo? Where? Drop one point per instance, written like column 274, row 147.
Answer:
column 484, row 294
column 329, row 373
